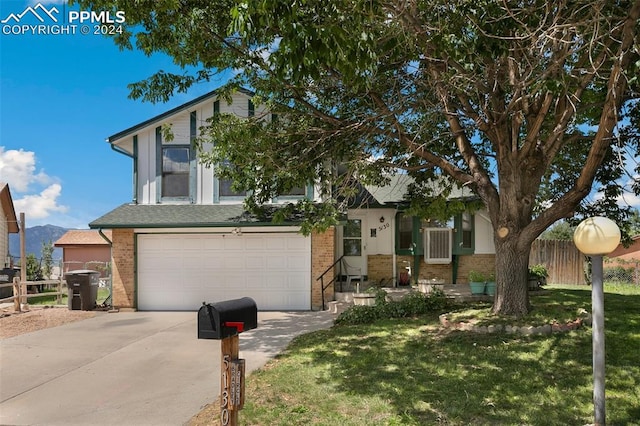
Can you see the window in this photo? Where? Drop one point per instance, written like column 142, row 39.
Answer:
column 175, row 171
column 352, row 238
column 227, row 191
column 464, row 238
column 467, row 230
column 405, row 232
column 297, row 191
column 409, row 233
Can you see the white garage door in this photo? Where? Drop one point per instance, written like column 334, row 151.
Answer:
column 180, row 271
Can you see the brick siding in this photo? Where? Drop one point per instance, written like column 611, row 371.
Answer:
column 380, row 268
column 123, row 269
column 322, row 257
column 484, row 263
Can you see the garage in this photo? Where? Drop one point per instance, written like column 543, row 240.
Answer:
column 180, row 271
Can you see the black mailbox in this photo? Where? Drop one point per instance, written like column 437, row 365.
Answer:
column 228, row 318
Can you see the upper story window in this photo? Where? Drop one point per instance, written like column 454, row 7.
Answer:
column 175, row 171
column 176, row 166
column 225, row 189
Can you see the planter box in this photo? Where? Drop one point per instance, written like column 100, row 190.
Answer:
column 534, row 284
column 364, row 299
column 477, row 287
column 490, row 288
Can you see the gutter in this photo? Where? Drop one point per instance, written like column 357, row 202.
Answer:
column 120, row 150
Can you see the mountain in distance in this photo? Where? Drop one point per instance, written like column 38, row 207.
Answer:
column 34, row 238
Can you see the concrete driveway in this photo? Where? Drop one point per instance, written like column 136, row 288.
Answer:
column 129, row 368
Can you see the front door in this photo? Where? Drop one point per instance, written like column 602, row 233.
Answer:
column 354, row 245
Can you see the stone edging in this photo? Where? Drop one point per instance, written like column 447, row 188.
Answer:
column 584, row 318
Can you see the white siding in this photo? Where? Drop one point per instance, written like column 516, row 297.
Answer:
column 4, row 238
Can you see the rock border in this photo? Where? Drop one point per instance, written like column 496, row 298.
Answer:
column 584, row 318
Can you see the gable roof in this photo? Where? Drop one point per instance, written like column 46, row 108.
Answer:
column 396, row 191
column 82, row 237
column 183, row 216
column 158, row 118
column 6, row 203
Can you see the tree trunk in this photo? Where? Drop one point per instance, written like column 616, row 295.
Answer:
column 512, row 271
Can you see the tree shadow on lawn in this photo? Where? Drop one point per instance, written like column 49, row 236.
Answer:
column 430, row 376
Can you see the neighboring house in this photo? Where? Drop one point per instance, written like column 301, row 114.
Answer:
column 626, row 255
column 186, row 239
column 8, row 224
column 85, row 249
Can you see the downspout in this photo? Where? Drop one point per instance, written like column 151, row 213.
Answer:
column 104, row 237
column 393, row 247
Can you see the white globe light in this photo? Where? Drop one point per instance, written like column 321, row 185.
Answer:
column 597, row 236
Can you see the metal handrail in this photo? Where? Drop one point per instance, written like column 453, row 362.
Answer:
column 321, row 277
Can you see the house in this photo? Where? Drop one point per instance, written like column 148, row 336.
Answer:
column 85, row 249
column 623, row 264
column 8, row 225
column 629, row 255
column 186, row 239
column 387, row 245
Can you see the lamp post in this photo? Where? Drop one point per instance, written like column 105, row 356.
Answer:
column 595, row 237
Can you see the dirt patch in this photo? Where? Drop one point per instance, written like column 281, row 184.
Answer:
column 37, row 318
column 208, row 416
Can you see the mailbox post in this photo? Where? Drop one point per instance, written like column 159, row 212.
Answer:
column 225, row 321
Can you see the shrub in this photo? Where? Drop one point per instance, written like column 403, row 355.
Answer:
column 359, row 314
column 476, row 277
column 538, row 272
column 411, row 305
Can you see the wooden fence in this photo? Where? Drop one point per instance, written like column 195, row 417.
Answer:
column 21, row 295
column 563, row 260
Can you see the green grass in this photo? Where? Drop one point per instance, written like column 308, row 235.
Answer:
column 411, row 372
column 43, row 299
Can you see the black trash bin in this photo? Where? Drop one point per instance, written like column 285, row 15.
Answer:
column 6, row 276
column 82, row 285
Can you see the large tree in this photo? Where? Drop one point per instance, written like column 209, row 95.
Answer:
column 528, row 104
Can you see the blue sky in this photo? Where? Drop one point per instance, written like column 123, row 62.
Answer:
column 61, row 96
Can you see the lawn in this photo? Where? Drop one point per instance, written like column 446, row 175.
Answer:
column 44, row 299
column 412, row 372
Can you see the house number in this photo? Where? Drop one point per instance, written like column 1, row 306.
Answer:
column 224, row 398
column 383, row 226
column 232, row 397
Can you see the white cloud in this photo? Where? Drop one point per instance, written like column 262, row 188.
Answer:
column 40, row 191
column 18, row 169
column 41, row 205
column 629, row 199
